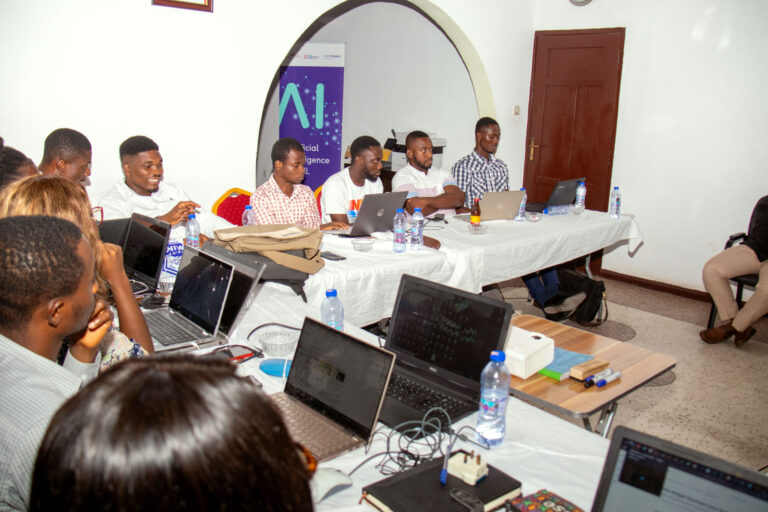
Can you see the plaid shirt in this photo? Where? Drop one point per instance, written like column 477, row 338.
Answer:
column 475, row 176
column 272, row 206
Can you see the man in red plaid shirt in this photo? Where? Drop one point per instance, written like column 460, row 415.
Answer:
column 283, row 199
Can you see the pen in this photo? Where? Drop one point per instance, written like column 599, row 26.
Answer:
column 243, row 357
column 612, row 377
column 590, row 381
column 444, row 471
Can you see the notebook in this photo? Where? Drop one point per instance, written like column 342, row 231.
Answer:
column 563, row 193
column 334, row 390
column 242, row 290
column 144, row 247
column 197, row 302
column 377, row 213
column 643, row 472
column 498, row 205
column 443, row 338
column 419, row 489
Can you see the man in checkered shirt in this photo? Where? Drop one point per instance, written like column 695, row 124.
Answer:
column 480, row 171
column 283, row 199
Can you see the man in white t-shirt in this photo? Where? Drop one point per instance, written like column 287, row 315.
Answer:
column 344, row 191
column 432, row 190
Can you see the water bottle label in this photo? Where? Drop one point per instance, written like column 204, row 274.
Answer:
column 490, row 405
column 193, row 241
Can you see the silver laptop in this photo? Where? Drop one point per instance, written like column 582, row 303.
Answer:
column 498, row 205
column 197, row 302
column 377, row 213
column 334, row 390
column 643, row 472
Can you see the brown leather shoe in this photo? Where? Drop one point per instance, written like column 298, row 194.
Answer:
column 743, row 337
column 718, row 334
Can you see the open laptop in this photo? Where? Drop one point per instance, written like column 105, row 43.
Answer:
column 242, row 290
column 377, row 213
column 113, row 231
column 643, row 472
column 144, row 247
column 443, row 338
column 563, row 193
column 498, row 205
column 197, row 302
column 334, row 390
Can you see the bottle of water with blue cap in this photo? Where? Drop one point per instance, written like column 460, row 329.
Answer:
column 192, row 231
column 332, row 311
column 417, row 230
column 520, row 217
column 494, row 395
column 248, row 215
column 399, row 242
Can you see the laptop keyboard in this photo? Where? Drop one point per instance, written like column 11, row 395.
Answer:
column 422, row 397
column 167, row 332
column 319, row 435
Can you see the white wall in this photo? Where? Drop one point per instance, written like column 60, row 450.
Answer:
column 395, row 60
column 690, row 151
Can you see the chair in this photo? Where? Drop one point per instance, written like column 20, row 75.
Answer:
column 741, row 281
column 231, row 204
column 318, row 194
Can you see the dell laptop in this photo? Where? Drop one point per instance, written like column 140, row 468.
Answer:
column 334, row 391
column 643, row 472
column 146, row 239
column 197, row 301
column 376, row 214
column 564, row 193
column 443, row 338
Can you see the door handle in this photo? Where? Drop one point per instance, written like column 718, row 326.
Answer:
column 532, row 146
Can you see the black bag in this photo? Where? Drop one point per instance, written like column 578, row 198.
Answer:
column 594, row 309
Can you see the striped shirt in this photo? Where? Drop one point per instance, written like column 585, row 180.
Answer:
column 272, row 206
column 475, row 176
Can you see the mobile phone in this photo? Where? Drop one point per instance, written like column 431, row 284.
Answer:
column 332, row 256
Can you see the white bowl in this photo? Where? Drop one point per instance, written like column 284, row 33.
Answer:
column 279, row 343
column 480, row 229
column 363, row 244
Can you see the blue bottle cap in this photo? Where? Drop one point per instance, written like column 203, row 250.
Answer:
column 522, row 188
column 191, row 216
column 416, row 210
column 330, row 292
column 498, row 356
column 248, row 207
column 581, row 183
column 400, row 210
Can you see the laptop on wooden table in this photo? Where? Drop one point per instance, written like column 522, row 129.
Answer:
column 334, row 391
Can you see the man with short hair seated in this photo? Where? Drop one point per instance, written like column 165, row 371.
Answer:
column 353, row 183
column 432, row 190
column 282, row 199
column 47, row 278
column 67, row 153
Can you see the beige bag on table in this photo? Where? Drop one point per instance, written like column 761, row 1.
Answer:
column 273, row 240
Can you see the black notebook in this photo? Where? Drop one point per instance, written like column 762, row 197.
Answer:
column 419, row 489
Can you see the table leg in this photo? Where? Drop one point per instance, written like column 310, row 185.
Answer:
column 586, row 266
column 606, row 419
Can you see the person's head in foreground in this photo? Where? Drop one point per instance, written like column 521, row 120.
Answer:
column 169, row 433
column 14, row 165
column 67, row 153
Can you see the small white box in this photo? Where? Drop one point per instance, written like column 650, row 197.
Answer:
column 527, row 352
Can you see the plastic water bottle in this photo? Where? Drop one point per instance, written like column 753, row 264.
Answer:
column 192, row 231
column 521, row 211
column 494, row 395
column 581, row 197
column 417, row 230
column 332, row 311
column 351, row 217
column 248, row 215
column 614, row 210
column 399, row 241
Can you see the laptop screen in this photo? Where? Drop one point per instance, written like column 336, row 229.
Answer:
column 646, row 473
column 201, row 288
column 339, row 376
column 442, row 329
column 144, row 248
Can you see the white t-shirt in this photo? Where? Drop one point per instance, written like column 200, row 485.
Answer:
column 420, row 184
column 339, row 190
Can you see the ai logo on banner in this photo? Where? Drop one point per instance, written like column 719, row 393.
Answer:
column 292, row 93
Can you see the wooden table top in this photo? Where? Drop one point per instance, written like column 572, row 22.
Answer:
column 637, row 365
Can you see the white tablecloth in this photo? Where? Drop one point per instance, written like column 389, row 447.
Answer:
column 540, row 450
column 367, row 282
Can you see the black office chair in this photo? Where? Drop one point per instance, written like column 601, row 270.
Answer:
column 741, row 281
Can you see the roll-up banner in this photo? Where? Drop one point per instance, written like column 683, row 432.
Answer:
column 311, row 99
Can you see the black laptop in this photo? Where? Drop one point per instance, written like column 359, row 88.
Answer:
column 643, row 472
column 144, row 247
column 443, row 338
column 564, row 193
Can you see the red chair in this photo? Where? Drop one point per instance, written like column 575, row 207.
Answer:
column 318, row 195
column 231, row 205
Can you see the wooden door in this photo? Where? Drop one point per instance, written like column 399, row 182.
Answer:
column 572, row 115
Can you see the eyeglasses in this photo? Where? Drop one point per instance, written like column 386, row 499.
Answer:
column 310, row 462
column 98, row 214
